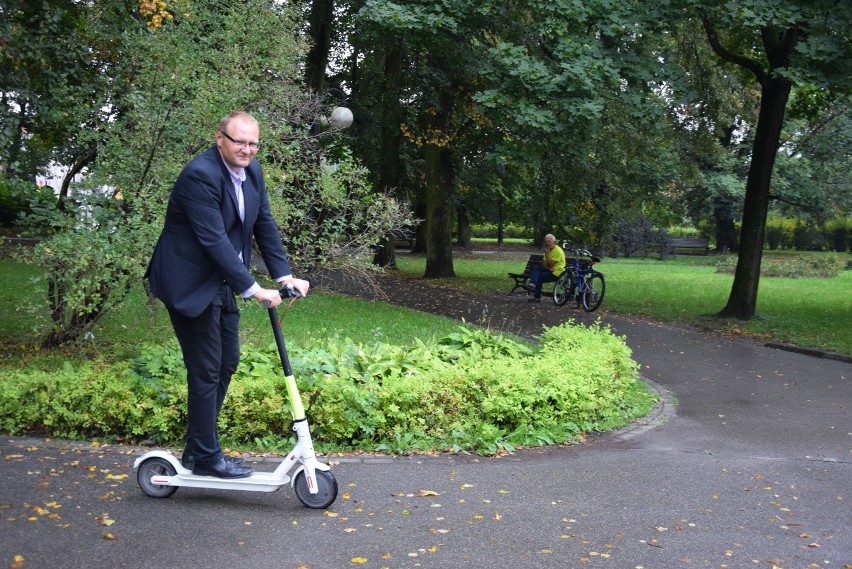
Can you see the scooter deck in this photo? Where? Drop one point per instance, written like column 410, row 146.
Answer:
column 257, row 482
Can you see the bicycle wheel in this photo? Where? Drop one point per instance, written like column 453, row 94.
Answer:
column 593, row 291
column 563, row 289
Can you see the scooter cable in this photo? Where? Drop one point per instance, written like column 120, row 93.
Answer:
column 286, row 310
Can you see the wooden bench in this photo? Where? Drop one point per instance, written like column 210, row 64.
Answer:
column 403, row 237
column 521, row 279
column 690, row 246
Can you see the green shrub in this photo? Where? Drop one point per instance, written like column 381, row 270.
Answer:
column 795, row 266
column 774, row 236
column 19, row 197
column 779, row 232
column 510, row 231
column 808, row 237
column 469, row 391
column 838, row 234
column 684, row 232
column 785, row 233
column 633, row 235
column 93, row 400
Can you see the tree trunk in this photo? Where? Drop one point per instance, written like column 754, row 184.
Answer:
column 742, row 302
column 779, row 45
column 540, row 205
column 320, row 27
column 500, row 221
column 464, row 226
column 726, row 231
column 391, row 140
column 419, row 246
column 439, row 212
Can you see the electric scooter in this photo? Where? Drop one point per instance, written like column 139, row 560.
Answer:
column 160, row 473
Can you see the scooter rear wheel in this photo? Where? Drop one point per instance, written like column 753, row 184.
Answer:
column 155, row 467
column 326, row 489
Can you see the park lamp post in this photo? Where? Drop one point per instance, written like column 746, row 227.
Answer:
column 341, row 117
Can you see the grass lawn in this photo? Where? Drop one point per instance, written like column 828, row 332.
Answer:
column 808, row 312
column 121, row 331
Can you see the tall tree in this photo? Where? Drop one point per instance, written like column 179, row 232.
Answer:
column 535, row 75
column 51, row 86
column 389, row 60
column 320, row 31
column 433, row 40
column 779, row 44
column 169, row 79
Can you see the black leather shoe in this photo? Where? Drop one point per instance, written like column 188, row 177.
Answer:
column 187, row 460
column 222, row 469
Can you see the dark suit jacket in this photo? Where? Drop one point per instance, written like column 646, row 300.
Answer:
column 203, row 236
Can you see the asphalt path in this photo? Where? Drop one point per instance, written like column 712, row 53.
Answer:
column 746, row 462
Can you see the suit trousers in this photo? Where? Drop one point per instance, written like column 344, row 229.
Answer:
column 211, row 354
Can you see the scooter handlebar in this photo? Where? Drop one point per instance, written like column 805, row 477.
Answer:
column 289, row 291
column 286, row 292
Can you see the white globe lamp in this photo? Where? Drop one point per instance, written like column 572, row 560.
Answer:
column 341, row 117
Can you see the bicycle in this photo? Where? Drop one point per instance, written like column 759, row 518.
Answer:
column 580, row 282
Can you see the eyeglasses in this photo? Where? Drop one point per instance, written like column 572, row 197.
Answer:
column 250, row 145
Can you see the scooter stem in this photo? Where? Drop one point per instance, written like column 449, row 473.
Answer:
column 297, row 410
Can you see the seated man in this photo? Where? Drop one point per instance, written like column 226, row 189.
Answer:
column 554, row 265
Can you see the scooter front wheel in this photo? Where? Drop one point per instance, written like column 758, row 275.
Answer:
column 326, row 489
column 155, row 467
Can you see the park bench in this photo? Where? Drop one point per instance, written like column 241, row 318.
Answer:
column 690, row 246
column 403, row 237
column 521, row 279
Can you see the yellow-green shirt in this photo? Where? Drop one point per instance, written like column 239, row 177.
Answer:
column 557, row 255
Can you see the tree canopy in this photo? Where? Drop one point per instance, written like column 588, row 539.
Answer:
column 561, row 116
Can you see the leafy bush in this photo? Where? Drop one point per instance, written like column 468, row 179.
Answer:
column 683, row 231
column 779, row 233
column 838, row 234
column 785, row 233
column 808, row 237
column 510, row 231
column 798, row 266
column 470, row 391
column 94, row 399
column 19, row 198
column 635, row 236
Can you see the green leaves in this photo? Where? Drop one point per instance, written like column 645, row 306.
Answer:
column 470, row 391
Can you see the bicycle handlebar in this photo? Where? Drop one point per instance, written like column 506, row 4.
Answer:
column 582, row 252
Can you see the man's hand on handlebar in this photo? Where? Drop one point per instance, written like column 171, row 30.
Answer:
column 268, row 297
column 300, row 285
column 271, row 298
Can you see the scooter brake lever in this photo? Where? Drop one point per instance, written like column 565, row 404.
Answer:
column 289, row 292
